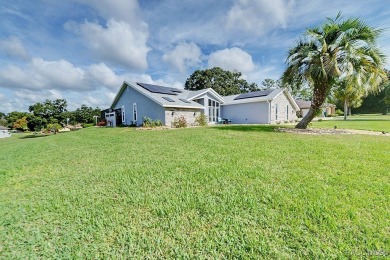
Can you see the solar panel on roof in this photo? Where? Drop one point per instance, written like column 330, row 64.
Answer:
column 168, row 99
column 185, row 100
column 254, row 94
column 159, row 89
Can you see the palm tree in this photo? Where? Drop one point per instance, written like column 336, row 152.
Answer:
column 337, row 49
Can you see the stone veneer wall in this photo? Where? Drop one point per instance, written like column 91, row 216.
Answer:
column 282, row 102
column 189, row 114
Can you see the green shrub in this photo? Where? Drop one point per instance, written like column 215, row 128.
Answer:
column 179, row 122
column 339, row 112
column 201, row 119
column 148, row 122
column 54, row 127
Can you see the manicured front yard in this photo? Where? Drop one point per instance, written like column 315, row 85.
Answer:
column 228, row 191
column 359, row 122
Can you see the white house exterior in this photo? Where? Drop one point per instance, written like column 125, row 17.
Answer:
column 4, row 132
column 261, row 107
column 135, row 101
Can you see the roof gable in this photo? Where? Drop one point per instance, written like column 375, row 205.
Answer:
column 164, row 96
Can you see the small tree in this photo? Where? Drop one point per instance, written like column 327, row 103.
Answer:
column 21, row 124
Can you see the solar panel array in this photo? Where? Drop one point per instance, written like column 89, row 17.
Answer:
column 159, row 89
column 185, row 100
column 254, row 94
column 168, row 99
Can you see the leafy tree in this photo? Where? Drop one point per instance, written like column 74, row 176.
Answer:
column 349, row 94
column 48, row 112
column 15, row 115
column 3, row 119
column 222, row 81
column 271, row 84
column 21, row 124
column 336, row 49
column 85, row 114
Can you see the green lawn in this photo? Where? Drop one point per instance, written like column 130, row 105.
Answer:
column 359, row 122
column 217, row 192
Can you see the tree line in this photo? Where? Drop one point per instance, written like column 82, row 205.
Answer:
column 48, row 115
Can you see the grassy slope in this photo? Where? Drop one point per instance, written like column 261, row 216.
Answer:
column 228, row 191
column 360, row 122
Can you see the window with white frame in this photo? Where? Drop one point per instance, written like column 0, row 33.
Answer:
column 135, row 112
column 214, row 110
column 287, row 112
column 276, row 111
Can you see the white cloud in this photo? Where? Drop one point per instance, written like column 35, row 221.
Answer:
column 258, row 17
column 100, row 74
column 232, row 59
column 41, row 74
column 59, row 75
column 118, row 43
column 183, row 56
column 122, row 10
column 13, row 47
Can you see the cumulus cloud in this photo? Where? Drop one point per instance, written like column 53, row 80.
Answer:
column 232, row 59
column 59, row 75
column 183, row 56
column 258, row 17
column 118, row 43
column 13, row 47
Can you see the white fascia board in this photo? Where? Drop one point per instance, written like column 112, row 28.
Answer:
column 212, row 91
column 173, row 106
column 247, row 100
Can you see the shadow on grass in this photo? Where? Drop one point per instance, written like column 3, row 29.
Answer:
column 31, row 136
column 247, row 128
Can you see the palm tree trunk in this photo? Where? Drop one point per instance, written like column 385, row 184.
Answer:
column 345, row 108
column 319, row 96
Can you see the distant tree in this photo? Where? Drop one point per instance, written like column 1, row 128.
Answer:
column 15, row 115
column 350, row 94
column 3, row 122
column 85, row 114
column 271, row 84
column 21, row 124
column 222, row 81
column 48, row 112
column 336, row 49
column 3, row 119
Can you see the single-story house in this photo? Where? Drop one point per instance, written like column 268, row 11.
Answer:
column 4, row 132
column 137, row 100
column 304, row 106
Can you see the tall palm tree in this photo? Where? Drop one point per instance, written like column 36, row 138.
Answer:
column 335, row 50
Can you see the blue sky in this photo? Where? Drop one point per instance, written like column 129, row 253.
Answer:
column 82, row 50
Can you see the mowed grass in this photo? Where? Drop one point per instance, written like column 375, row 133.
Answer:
column 217, row 192
column 359, row 122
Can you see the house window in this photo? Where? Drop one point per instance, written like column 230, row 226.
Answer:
column 287, row 112
column 214, row 111
column 276, row 111
column 135, row 112
column 123, row 115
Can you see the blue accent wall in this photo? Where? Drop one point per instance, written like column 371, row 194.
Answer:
column 145, row 107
